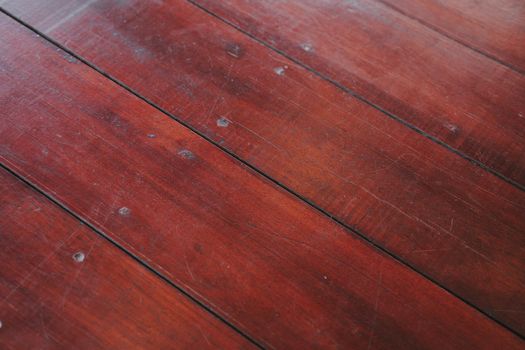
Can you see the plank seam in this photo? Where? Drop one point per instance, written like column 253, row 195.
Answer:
column 364, row 100
column 137, row 259
column 448, row 36
column 350, row 228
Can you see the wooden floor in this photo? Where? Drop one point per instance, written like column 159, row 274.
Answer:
column 301, row 174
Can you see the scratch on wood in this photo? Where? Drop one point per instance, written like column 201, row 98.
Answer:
column 69, row 16
column 77, row 274
column 203, row 335
column 188, row 269
column 30, row 273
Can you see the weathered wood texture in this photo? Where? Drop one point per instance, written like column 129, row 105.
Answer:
column 455, row 94
column 52, row 297
column 495, row 28
column 280, row 271
column 448, row 218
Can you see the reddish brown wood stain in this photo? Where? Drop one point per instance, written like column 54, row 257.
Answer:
column 281, row 272
column 450, row 219
column 451, row 92
column 63, row 287
column 270, row 265
column 494, row 28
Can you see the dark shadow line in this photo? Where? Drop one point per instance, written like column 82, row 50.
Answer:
column 141, row 262
column 449, row 36
column 364, row 100
column 352, row 229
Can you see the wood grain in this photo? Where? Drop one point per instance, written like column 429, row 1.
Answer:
column 495, row 28
column 280, row 271
column 448, row 91
column 64, row 287
column 446, row 217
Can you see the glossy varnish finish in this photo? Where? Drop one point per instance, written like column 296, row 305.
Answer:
column 64, row 287
column 494, row 28
column 451, row 92
column 450, row 219
column 270, row 265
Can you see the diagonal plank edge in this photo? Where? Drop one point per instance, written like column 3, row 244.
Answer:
column 494, row 30
column 435, row 247
column 143, row 261
column 346, row 89
column 62, row 286
column 262, row 259
column 457, row 97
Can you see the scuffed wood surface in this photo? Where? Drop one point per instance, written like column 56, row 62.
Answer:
column 448, row 218
column 460, row 97
column 64, row 287
column 266, row 262
column 495, row 28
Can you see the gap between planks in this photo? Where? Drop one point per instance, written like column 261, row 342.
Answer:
column 364, row 100
column 130, row 254
column 350, row 228
column 450, row 37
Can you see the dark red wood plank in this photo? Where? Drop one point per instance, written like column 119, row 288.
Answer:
column 455, row 94
column 495, row 28
column 64, row 287
column 280, row 271
column 445, row 216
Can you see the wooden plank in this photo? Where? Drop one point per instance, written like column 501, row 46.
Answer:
column 64, row 287
column 444, row 89
column 280, row 271
column 495, row 28
column 444, row 216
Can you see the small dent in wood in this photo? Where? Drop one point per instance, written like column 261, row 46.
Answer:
column 307, row 47
column 234, row 50
column 184, row 153
column 79, row 257
column 222, row 122
column 453, row 128
column 197, row 247
column 67, row 56
column 280, row 70
column 124, row 211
